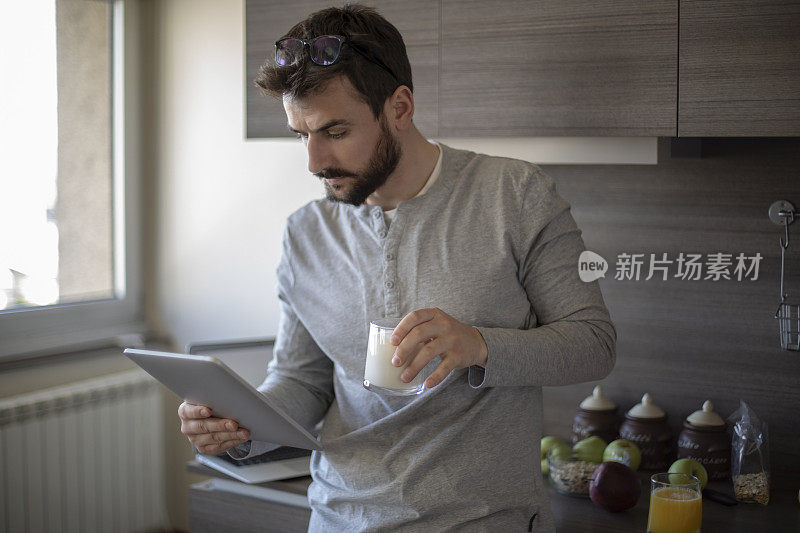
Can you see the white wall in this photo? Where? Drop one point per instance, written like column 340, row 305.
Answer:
column 221, row 200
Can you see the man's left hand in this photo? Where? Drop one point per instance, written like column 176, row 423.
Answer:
column 427, row 333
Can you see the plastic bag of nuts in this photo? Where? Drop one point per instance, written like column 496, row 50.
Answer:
column 749, row 456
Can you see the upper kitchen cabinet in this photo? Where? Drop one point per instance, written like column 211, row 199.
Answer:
column 267, row 20
column 558, row 68
column 739, row 68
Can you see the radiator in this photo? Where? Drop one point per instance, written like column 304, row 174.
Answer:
column 83, row 457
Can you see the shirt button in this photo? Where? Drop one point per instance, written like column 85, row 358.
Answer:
column 389, row 257
column 389, row 284
column 382, row 234
column 377, row 213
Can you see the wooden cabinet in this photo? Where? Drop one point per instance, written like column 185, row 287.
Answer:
column 690, row 68
column 242, row 510
column 558, row 68
column 510, row 68
column 265, row 23
column 267, row 20
column 223, row 504
column 739, row 68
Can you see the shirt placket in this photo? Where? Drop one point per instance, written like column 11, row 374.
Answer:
column 389, row 242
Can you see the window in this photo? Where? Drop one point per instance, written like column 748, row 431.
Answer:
column 68, row 255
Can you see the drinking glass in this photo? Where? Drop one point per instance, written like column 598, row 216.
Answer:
column 379, row 372
column 676, row 504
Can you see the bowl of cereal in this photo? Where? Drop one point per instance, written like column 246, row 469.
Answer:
column 569, row 475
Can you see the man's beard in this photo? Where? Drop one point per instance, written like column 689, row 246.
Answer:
column 383, row 162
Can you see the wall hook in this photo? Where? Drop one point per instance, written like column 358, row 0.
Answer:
column 782, row 213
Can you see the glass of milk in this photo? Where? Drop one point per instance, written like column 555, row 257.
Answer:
column 380, row 375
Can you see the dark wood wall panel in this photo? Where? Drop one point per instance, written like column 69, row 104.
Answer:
column 687, row 341
column 418, row 23
column 558, row 68
column 739, row 68
column 265, row 23
column 267, row 20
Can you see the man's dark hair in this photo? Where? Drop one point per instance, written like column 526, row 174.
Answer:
column 367, row 29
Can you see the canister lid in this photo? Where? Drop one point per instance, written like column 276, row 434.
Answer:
column 706, row 417
column 646, row 409
column 597, row 402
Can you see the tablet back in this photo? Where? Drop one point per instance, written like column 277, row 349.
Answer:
column 207, row 381
column 247, row 357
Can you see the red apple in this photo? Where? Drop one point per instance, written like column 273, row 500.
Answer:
column 614, row 487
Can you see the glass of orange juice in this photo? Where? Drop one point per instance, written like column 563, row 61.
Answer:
column 676, row 504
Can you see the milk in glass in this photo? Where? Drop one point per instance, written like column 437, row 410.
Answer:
column 379, row 372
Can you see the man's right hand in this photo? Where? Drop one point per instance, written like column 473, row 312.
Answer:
column 211, row 436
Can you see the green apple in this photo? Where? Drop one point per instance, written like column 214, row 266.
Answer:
column 549, row 442
column 691, row 467
column 561, row 452
column 623, row 451
column 590, row 450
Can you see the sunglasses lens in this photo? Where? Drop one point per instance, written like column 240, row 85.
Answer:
column 325, row 50
column 288, row 51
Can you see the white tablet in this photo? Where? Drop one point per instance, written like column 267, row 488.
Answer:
column 203, row 380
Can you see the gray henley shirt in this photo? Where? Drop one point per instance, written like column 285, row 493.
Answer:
column 493, row 245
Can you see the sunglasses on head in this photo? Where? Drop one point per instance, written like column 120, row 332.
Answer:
column 324, row 51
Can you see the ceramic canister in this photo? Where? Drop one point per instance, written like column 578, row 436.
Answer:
column 597, row 415
column 705, row 439
column 646, row 426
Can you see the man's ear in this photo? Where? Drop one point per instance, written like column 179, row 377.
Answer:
column 399, row 108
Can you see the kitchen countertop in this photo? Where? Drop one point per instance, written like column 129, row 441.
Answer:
column 578, row 515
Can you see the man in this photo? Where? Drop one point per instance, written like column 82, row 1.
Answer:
column 479, row 256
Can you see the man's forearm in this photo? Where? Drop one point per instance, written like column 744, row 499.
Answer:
column 303, row 402
column 560, row 353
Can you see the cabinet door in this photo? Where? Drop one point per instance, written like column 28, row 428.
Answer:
column 739, row 68
column 555, row 67
column 268, row 20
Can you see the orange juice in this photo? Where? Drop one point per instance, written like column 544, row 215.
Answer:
column 675, row 510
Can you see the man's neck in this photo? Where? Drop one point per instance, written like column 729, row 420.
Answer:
column 417, row 161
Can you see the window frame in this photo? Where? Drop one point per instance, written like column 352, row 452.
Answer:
column 37, row 331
